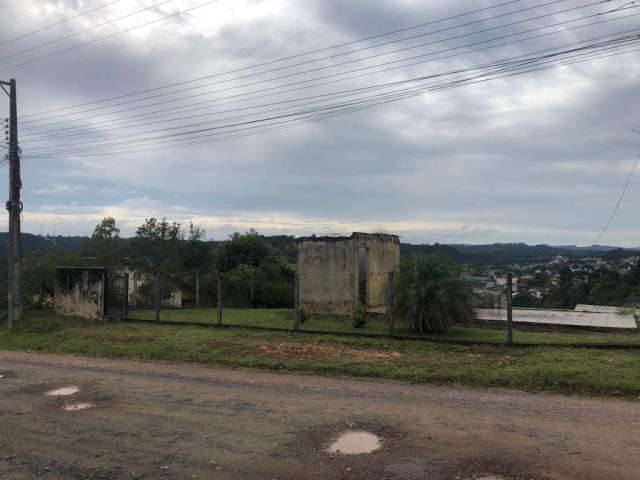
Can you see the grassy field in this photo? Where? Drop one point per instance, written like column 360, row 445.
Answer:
column 283, row 318
column 582, row 371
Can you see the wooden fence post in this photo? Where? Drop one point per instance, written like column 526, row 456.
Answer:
column 219, row 303
column 125, row 305
column 135, row 290
column 296, row 303
column 197, row 289
column 157, row 295
column 392, row 319
column 509, row 309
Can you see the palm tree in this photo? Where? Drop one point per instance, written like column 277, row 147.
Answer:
column 431, row 295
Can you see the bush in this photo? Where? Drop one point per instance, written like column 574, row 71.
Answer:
column 305, row 313
column 431, row 295
column 359, row 316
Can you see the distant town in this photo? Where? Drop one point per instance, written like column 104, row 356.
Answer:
column 561, row 281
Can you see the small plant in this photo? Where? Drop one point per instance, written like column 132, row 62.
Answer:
column 359, row 316
column 305, row 313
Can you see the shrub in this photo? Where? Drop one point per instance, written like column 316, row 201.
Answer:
column 431, row 295
column 359, row 316
column 305, row 313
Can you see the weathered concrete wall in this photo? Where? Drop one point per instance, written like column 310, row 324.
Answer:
column 80, row 292
column 329, row 270
column 326, row 272
column 383, row 257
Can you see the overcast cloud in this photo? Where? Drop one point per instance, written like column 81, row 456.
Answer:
column 539, row 158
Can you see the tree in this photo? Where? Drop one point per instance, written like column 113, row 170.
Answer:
column 106, row 243
column 194, row 251
column 248, row 248
column 431, row 296
column 156, row 246
column 40, row 271
column 255, row 274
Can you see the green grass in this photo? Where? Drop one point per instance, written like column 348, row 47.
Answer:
column 582, row 371
column 283, row 318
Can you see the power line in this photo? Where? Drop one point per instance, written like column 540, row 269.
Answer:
column 79, row 32
column 271, row 62
column 454, row 84
column 64, row 50
column 619, row 202
column 422, row 89
column 56, row 131
column 263, row 130
column 182, row 127
column 46, row 27
column 256, row 131
column 315, row 79
column 361, row 59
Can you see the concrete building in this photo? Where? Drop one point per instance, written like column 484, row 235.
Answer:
column 338, row 273
column 90, row 292
column 80, row 292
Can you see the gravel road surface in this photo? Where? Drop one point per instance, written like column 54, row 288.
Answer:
column 179, row 421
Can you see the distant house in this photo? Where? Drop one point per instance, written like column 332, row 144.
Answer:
column 141, row 290
column 338, row 273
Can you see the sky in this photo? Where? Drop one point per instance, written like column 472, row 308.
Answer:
column 536, row 158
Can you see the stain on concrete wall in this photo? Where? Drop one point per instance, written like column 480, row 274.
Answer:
column 80, row 292
column 336, row 273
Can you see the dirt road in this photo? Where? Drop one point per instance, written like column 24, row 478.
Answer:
column 152, row 420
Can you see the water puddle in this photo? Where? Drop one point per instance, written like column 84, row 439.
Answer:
column 74, row 407
column 355, row 442
column 63, row 392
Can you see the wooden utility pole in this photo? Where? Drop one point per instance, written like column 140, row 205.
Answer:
column 509, row 309
column 14, row 206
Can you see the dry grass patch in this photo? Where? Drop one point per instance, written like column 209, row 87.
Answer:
column 290, row 350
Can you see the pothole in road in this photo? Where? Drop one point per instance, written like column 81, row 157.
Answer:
column 63, row 392
column 74, row 407
column 355, row 443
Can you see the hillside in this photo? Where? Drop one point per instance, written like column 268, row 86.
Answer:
column 494, row 254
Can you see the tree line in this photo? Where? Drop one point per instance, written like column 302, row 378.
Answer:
column 167, row 255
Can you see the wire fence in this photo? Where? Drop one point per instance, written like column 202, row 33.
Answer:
column 225, row 301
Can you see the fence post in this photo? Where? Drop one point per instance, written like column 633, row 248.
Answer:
column 135, row 290
column 197, row 289
column 296, row 303
column 219, row 303
column 125, row 306
column 157, row 295
column 392, row 320
column 509, row 309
